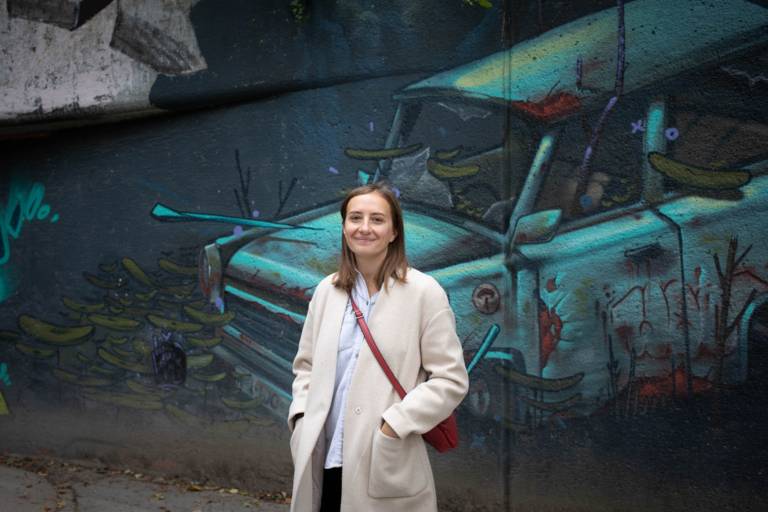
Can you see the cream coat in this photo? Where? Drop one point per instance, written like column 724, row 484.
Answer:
column 414, row 327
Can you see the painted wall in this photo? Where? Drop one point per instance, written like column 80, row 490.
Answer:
column 592, row 198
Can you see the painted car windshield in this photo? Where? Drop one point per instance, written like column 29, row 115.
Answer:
column 461, row 164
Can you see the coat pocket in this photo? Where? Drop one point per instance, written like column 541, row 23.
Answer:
column 295, row 437
column 397, row 467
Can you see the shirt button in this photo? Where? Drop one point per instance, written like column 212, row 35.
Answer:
column 358, row 410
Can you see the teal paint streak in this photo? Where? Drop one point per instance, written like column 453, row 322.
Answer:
column 8, row 282
column 271, row 307
column 4, row 376
column 490, row 337
column 164, row 213
column 533, row 181
column 655, row 125
column 24, row 203
column 499, row 355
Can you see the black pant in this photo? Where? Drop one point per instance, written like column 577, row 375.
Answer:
column 331, row 498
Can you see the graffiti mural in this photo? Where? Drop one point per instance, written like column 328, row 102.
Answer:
column 590, row 195
column 24, row 204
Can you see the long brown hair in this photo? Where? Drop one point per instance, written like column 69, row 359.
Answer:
column 395, row 262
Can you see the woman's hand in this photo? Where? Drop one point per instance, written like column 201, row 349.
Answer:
column 388, row 431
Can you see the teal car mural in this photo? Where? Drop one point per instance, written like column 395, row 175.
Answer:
column 627, row 284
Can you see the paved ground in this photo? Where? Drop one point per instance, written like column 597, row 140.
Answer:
column 38, row 484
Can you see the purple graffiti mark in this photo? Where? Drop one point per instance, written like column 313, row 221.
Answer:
column 23, row 205
column 582, row 174
column 333, row 170
column 396, row 191
column 219, row 304
column 238, row 231
column 370, row 126
column 638, row 126
column 255, row 213
column 672, row 134
column 4, row 375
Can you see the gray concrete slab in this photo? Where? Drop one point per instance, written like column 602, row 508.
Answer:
column 127, row 494
column 25, row 491
column 30, row 484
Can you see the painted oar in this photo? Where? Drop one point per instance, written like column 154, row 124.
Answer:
column 166, row 214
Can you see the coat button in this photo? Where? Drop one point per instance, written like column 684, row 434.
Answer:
column 358, row 410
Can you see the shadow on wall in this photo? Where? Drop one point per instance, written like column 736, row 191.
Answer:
column 258, row 48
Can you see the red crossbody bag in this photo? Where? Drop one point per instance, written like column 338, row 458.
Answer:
column 445, row 436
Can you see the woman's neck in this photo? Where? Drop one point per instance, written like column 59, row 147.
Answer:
column 370, row 269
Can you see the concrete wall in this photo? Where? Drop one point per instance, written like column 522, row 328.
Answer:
column 616, row 336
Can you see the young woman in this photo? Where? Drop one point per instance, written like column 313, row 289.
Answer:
column 355, row 445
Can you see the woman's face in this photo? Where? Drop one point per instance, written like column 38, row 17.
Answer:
column 368, row 227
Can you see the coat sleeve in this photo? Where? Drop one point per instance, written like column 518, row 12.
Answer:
column 447, row 382
column 302, row 369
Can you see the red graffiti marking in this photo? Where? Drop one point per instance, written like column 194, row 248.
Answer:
column 663, row 352
column 625, row 333
column 550, row 328
column 750, row 274
column 663, row 386
column 550, row 108
column 709, row 352
column 551, row 286
column 663, row 287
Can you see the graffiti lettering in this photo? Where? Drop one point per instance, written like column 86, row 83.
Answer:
column 22, row 206
column 638, row 126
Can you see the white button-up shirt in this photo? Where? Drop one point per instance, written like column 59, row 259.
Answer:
column 350, row 341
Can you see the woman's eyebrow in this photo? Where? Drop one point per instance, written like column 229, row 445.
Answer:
column 357, row 212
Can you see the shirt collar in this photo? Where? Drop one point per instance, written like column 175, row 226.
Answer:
column 361, row 289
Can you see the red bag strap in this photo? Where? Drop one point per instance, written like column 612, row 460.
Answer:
column 375, row 350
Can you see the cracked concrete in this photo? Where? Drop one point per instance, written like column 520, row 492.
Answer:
column 30, row 484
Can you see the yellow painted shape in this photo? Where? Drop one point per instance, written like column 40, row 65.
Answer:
column 3, row 406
